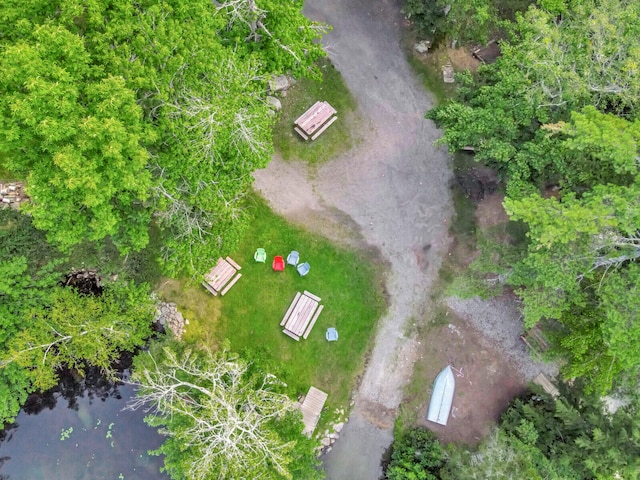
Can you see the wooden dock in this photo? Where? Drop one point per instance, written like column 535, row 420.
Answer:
column 311, row 409
column 222, row 277
column 315, row 120
column 301, row 315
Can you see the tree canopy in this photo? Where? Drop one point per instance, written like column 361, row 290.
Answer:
column 117, row 112
column 223, row 418
column 46, row 326
column 557, row 115
column 72, row 330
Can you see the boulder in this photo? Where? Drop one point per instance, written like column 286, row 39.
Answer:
column 447, row 73
column 279, row 83
column 274, row 103
column 167, row 315
column 423, row 46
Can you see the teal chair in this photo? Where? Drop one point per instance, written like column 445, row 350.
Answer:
column 293, row 258
column 303, row 268
column 260, row 255
column 331, row 335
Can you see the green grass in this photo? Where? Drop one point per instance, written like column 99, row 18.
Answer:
column 416, row 395
column 249, row 314
column 338, row 138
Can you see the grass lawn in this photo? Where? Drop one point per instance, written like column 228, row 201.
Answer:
column 249, row 314
column 337, row 138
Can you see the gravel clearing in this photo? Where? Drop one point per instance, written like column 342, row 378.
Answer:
column 391, row 195
column 499, row 320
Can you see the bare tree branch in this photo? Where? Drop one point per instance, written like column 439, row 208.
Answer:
column 226, row 416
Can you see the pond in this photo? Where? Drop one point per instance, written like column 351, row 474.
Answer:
column 78, row 431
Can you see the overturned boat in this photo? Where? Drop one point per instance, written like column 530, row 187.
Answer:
column 442, row 397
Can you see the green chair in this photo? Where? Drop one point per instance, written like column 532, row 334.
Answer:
column 260, row 255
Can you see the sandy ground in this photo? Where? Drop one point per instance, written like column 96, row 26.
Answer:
column 390, row 193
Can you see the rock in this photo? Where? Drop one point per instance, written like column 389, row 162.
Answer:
column 279, row 83
column 328, row 449
column 326, row 442
column 167, row 315
column 274, row 103
column 423, row 46
column 338, row 427
column 447, row 73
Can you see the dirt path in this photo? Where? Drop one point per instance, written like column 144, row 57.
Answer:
column 391, row 192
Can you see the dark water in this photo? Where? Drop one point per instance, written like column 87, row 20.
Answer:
column 78, row 431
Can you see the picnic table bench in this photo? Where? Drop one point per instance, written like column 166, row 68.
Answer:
column 222, row 277
column 301, row 315
column 315, row 120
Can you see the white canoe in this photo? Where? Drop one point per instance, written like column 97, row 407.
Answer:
column 442, row 397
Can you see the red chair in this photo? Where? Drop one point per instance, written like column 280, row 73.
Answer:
column 278, row 264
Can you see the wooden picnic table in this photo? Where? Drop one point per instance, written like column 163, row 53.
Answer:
column 222, row 276
column 315, row 120
column 301, row 315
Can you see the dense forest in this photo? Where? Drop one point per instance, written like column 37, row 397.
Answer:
column 557, row 116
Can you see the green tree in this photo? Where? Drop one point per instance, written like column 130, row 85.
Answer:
column 576, row 433
column 222, row 419
column 29, row 268
column 136, row 109
column 581, row 271
column 551, row 66
column 416, row 455
column 76, row 138
column 593, row 148
column 460, row 21
column 501, row 456
column 72, row 330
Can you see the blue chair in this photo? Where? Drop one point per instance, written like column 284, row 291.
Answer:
column 293, row 258
column 303, row 268
column 331, row 335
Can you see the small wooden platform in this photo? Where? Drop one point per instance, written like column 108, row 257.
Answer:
column 311, row 409
column 301, row 315
column 547, row 385
column 315, row 120
column 222, row 277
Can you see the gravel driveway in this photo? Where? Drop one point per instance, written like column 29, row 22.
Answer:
column 390, row 193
